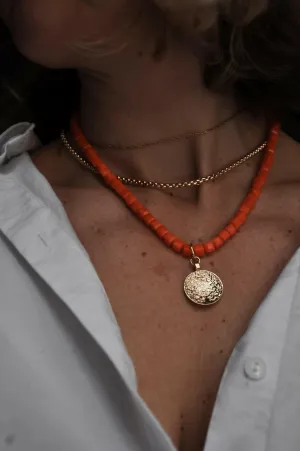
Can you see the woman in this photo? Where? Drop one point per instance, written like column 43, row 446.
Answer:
column 170, row 91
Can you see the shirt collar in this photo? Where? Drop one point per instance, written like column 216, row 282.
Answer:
column 17, row 139
column 49, row 245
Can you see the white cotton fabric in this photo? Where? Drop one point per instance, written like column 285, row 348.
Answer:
column 67, row 382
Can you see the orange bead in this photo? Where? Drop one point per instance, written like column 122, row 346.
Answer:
column 255, row 192
column 162, row 231
column 199, row 250
column 130, row 199
column 250, row 201
column 109, row 179
column 231, row 229
column 122, row 191
column 105, row 173
column 262, row 176
column 126, row 195
column 136, row 207
column 272, row 142
column 101, row 167
column 258, row 184
column 242, row 217
column 218, row 242
column 169, row 239
column 269, row 159
column 244, row 208
column 155, row 225
column 114, row 184
column 148, row 219
column 260, row 180
column 186, row 251
column 81, row 141
column 225, row 235
column 239, row 220
column 177, row 245
column 143, row 213
column 209, row 247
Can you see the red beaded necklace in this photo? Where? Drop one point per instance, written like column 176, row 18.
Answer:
column 201, row 287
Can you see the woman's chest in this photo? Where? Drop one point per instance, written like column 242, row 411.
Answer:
column 179, row 350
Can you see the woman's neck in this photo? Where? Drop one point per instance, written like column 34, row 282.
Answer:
column 148, row 94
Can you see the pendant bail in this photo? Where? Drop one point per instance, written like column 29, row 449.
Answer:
column 195, row 261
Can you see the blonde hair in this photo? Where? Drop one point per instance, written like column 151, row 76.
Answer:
column 250, row 45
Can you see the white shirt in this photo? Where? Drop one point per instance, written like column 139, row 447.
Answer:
column 66, row 380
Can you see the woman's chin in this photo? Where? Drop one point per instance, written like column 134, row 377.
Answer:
column 39, row 53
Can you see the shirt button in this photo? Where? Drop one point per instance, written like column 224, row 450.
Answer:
column 255, row 369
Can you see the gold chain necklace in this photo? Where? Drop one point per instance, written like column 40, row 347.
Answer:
column 172, row 139
column 165, row 185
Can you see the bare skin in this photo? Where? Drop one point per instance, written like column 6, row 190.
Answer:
column 140, row 93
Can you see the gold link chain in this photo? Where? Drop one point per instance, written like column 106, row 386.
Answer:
column 166, row 185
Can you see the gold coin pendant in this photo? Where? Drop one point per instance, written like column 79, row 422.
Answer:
column 203, row 287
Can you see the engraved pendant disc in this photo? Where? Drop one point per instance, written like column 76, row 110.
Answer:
column 203, row 287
